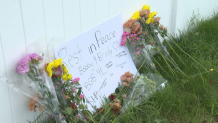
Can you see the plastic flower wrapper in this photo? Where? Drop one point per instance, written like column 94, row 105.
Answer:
column 144, row 86
column 141, row 37
column 31, row 79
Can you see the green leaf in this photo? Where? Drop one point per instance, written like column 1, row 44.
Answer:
column 69, row 110
column 79, row 92
column 117, row 90
column 81, row 106
column 83, row 100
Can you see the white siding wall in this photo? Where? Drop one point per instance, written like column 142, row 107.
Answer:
column 27, row 26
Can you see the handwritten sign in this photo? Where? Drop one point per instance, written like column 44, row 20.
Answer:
column 98, row 59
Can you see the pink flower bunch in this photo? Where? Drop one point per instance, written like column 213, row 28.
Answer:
column 125, row 37
column 35, row 56
column 138, row 52
column 127, row 78
column 76, row 80
column 138, row 48
column 81, row 96
column 23, row 66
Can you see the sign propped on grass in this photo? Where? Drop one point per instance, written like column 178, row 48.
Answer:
column 98, row 59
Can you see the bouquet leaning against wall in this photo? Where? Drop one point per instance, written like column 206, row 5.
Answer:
column 32, row 80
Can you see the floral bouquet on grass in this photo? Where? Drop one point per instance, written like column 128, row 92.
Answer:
column 34, row 81
column 141, row 37
column 68, row 91
column 115, row 100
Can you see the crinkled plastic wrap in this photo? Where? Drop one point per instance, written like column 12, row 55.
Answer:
column 32, row 82
column 145, row 85
column 147, row 51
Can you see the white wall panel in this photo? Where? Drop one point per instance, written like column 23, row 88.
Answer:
column 87, row 14
column 5, row 103
column 34, row 27
column 102, row 10
column 14, row 46
column 115, row 7
column 72, row 21
column 54, row 22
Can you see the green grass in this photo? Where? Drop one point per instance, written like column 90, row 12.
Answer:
column 190, row 99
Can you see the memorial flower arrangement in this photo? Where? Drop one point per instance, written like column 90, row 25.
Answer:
column 141, row 37
column 115, row 100
column 68, row 90
column 34, row 79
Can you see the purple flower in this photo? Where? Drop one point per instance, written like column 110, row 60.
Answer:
column 22, row 69
column 133, row 43
column 35, row 56
column 25, row 61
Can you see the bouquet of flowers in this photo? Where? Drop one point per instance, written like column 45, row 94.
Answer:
column 141, row 37
column 33, row 80
column 68, row 90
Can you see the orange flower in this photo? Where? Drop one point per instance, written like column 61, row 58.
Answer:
column 123, row 78
column 125, row 84
column 32, row 102
column 67, row 97
column 117, row 100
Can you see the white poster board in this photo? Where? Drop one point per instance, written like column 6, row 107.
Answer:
column 97, row 57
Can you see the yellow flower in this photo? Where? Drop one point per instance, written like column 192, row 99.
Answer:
column 136, row 15
column 151, row 15
column 146, row 7
column 211, row 69
column 65, row 77
column 69, row 76
column 148, row 21
column 153, row 64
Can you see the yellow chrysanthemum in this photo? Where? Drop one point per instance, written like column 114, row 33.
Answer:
column 69, row 76
column 136, row 15
column 64, row 77
column 148, row 21
column 151, row 15
column 146, row 7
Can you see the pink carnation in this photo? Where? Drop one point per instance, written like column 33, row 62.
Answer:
column 138, row 52
column 25, row 61
column 76, row 80
column 81, row 96
column 138, row 38
column 122, row 43
column 133, row 43
column 138, row 48
column 35, row 56
column 125, row 34
column 22, row 69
